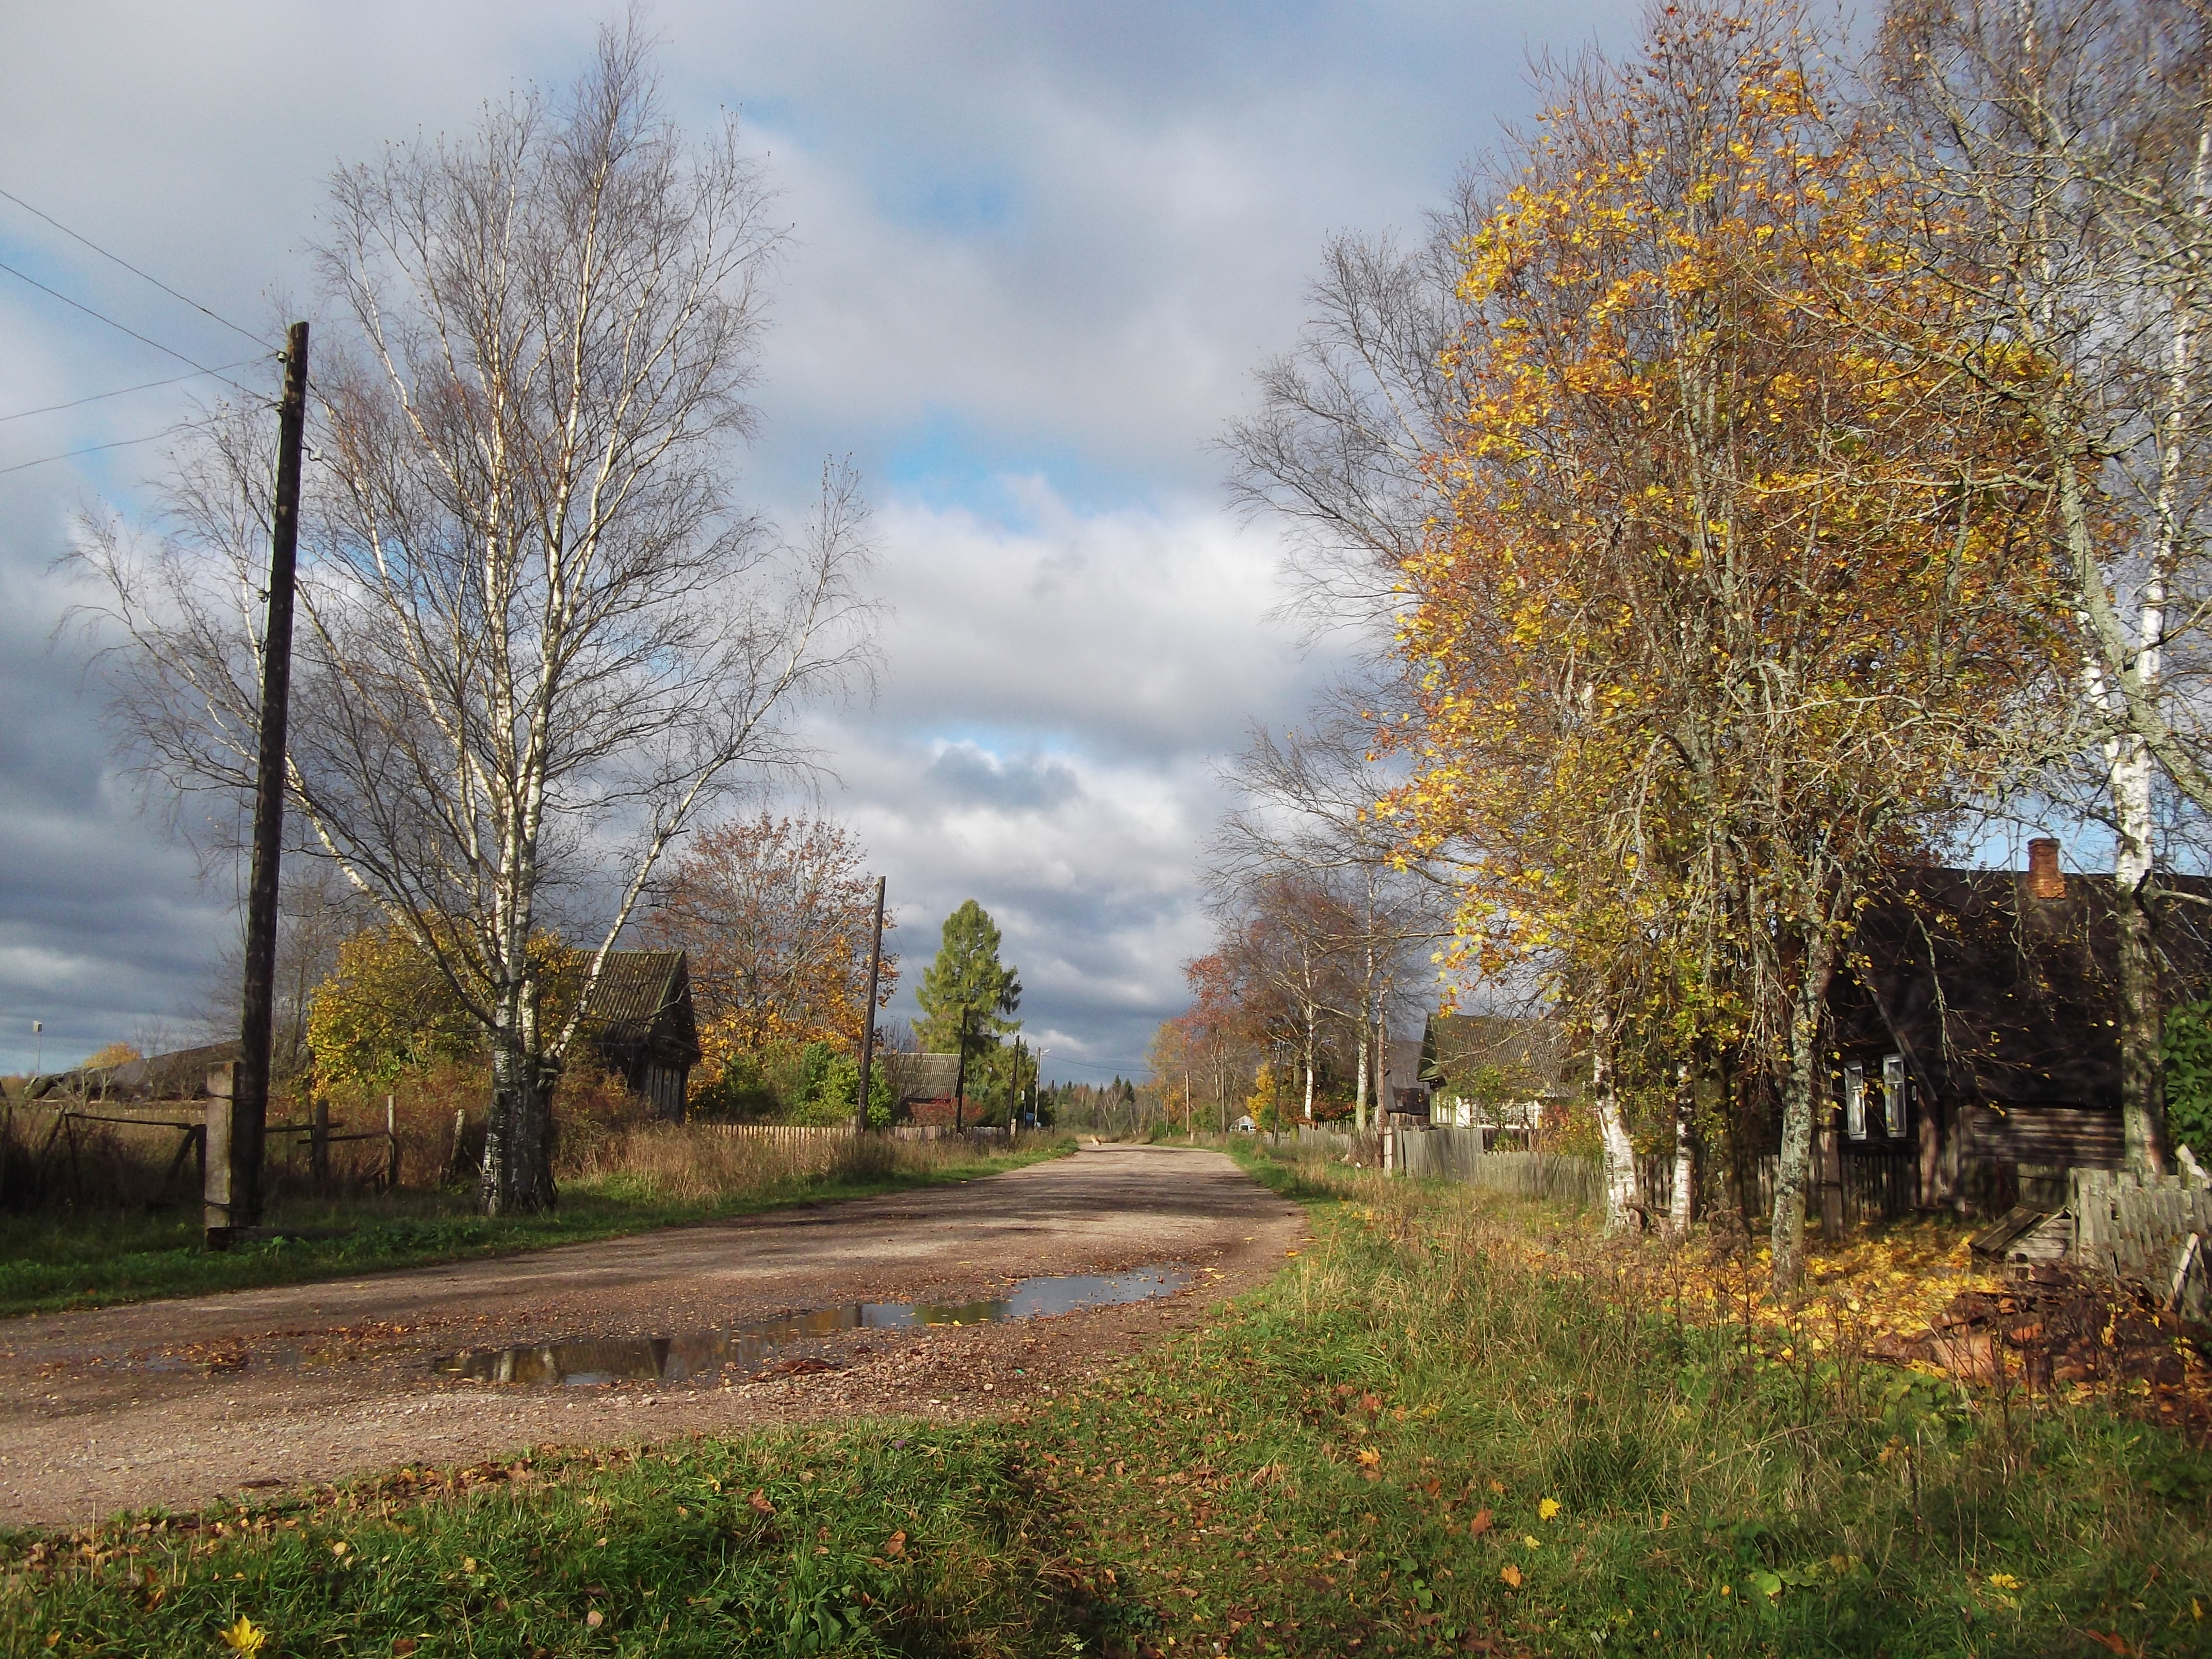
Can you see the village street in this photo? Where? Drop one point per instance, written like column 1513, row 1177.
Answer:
column 175, row 1403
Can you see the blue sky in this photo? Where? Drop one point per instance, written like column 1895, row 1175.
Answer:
column 1038, row 250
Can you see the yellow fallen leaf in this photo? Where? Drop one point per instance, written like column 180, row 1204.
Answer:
column 2003, row 1581
column 245, row 1637
column 1547, row 1509
column 1368, row 1458
column 1510, row 1574
column 1530, row 1542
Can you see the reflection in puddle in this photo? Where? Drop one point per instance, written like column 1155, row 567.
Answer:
column 587, row 1363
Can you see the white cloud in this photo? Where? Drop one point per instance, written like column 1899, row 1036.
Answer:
column 1038, row 249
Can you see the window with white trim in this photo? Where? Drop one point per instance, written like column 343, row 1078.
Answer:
column 1896, row 1094
column 1855, row 1100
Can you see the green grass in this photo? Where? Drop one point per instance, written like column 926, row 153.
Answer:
column 1346, row 1463
column 50, row 1261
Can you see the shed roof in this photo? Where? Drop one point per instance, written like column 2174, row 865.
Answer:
column 643, row 999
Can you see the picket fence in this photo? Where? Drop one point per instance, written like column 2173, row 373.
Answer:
column 1876, row 1187
column 801, row 1133
column 813, row 1135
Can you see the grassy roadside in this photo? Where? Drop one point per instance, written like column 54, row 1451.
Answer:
column 51, row 1262
column 1451, row 1425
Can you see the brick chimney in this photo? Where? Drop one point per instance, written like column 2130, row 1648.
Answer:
column 2045, row 880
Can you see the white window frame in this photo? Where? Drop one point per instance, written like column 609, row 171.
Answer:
column 1896, row 1095
column 1855, row 1100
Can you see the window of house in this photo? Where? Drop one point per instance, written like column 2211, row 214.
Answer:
column 1855, row 1100
column 1894, row 1094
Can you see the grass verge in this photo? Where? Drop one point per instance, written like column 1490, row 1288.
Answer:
column 1453, row 1426
column 51, row 1261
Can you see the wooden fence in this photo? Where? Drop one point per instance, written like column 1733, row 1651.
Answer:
column 809, row 1134
column 2136, row 1227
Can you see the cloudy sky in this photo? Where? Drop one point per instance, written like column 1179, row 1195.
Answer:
column 1039, row 249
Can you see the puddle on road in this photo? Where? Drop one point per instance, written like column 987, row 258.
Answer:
column 590, row 1362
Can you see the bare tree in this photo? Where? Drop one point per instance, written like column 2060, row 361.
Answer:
column 1310, row 810
column 2061, row 157
column 537, row 633
column 1337, row 451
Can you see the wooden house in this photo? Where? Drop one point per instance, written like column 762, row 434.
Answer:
column 923, row 1087
column 643, row 1025
column 1974, row 1028
column 1498, row 1072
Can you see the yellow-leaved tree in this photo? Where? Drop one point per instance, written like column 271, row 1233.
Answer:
column 1722, row 601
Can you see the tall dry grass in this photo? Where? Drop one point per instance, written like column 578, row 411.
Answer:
column 705, row 1163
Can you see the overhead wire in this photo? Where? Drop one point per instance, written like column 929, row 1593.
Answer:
column 120, row 391
column 146, row 339
column 143, row 275
column 94, row 449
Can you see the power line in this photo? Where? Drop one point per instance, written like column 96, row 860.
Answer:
column 133, row 270
column 103, row 317
column 174, row 380
column 94, row 449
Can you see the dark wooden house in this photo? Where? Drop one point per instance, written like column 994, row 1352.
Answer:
column 1974, row 1027
column 641, row 1024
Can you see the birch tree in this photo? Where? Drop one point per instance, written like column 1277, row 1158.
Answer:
column 1311, row 813
column 538, row 633
column 2060, row 163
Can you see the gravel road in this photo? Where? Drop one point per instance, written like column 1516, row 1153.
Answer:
column 176, row 1403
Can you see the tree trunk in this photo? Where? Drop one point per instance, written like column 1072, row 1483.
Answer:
column 1679, row 1211
column 518, row 1162
column 1310, row 1064
column 1787, row 1233
column 1359, row 1085
column 1612, row 1132
column 2142, row 1069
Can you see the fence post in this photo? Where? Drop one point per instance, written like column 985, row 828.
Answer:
column 1832, row 1181
column 218, row 1183
column 392, row 1147
column 318, row 1144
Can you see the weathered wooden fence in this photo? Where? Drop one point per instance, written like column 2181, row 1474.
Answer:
column 809, row 1134
column 2136, row 1227
column 802, row 1133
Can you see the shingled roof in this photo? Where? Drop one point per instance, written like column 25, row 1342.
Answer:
column 1529, row 1056
column 643, row 1001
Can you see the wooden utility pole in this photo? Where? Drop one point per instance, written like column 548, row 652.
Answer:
column 868, row 1014
column 239, row 1202
column 960, row 1080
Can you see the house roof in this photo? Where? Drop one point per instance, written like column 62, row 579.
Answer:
column 920, row 1077
column 643, row 1000
column 180, row 1074
column 1530, row 1055
column 1997, row 995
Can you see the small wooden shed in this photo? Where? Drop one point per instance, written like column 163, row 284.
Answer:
column 643, row 1025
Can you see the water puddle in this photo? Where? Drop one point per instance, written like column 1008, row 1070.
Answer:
column 590, row 1362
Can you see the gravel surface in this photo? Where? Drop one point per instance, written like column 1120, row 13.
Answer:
column 176, row 1403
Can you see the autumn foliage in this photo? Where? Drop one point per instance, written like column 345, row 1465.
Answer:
column 1725, row 587
column 775, row 914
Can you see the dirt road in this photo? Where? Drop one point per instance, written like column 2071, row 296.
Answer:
column 175, row 1403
